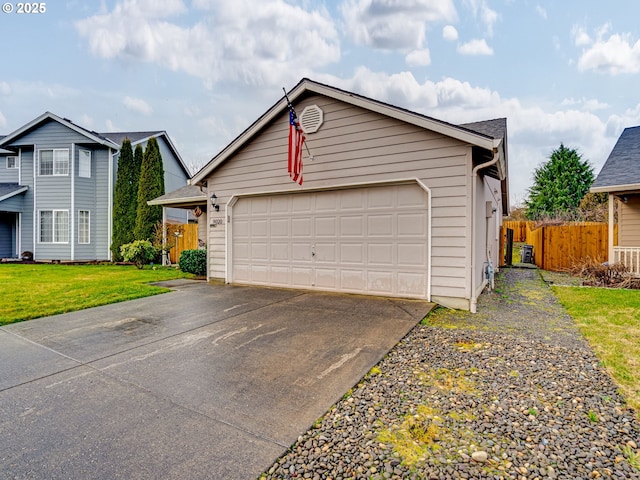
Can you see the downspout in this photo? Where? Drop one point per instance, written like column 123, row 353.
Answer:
column 474, row 209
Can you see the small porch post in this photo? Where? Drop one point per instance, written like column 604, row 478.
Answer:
column 612, row 200
column 164, row 236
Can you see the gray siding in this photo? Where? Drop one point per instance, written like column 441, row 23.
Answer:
column 51, row 135
column 100, row 220
column 355, row 145
column 85, row 199
column 26, row 174
column 8, row 175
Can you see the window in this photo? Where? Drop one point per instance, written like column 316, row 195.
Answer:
column 84, row 163
column 12, row 162
column 54, row 226
column 54, row 162
column 84, row 226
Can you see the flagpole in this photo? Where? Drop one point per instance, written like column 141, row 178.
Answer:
column 294, row 113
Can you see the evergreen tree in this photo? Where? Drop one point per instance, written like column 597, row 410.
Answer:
column 150, row 186
column 559, row 184
column 124, row 200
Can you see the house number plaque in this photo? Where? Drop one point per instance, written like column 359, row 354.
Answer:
column 217, row 221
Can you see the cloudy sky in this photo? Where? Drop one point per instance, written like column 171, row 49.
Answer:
column 204, row 70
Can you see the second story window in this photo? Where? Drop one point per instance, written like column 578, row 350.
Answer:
column 12, row 162
column 54, row 162
column 84, row 163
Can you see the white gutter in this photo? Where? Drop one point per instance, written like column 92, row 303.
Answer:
column 73, row 201
column 110, row 203
column 36, row 164
column 474, row 209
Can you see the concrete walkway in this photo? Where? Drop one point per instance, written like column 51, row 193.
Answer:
column 208, row 381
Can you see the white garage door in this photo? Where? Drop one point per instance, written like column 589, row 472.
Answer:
column 370, row 240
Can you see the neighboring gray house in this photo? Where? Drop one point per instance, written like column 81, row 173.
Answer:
column 620, row 178
column 56, row 188
column 393, row 203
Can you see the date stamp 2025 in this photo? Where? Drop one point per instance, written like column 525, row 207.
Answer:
column 24, row 7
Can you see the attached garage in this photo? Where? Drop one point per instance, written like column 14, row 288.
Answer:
column 367, row 239
column 393, row 203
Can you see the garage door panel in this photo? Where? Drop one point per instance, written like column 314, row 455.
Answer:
column 326, row 227
column 279, row 252
column 302, row 277
column 380, row 225
column 259, row 228
column 327, row 278
column 410, row 197
column 301, row 227
column 259, row 251
column 412, row 225
column 259, row 205
column 301, row 203
column 326, row 252
column 379, row 281
column 352, row 226
column 352, row 253
column 353, row 280
column 301, row 252
column 411, row 255
column 279, row 228
column 280, row 276
column 361, row 240
column 380, row 254
column 411, row 283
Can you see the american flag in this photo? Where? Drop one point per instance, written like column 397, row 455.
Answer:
column 296, row 140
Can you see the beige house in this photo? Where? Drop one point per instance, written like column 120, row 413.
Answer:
column 620, row 178
column 393, row 203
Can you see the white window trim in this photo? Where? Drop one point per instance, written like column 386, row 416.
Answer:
column 80, row 151
column 80, row 242
column 53, row 150
column 15, row 162
column 53, row 226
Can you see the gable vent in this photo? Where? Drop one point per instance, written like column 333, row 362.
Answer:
column 311, row 119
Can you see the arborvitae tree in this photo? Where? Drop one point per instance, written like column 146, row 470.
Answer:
column 124, row 200
column 559, row 184
column 150, row 186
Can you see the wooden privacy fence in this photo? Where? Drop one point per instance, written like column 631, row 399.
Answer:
column 188, row 240
column 519, row 229
column 557, row 247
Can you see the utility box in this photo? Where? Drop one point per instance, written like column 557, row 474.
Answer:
column 526, row 255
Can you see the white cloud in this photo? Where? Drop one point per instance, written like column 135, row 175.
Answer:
column 419, row 58
column 250, row 41
column 475, row 47
column 3, row 120
column 580, row 36
column 617, row 54
column 137, row 105
column 541, row 11
column 485, row 14
column 534, row 130
column 587, row 104
column 450, row 33
column 394, row 24
column 5, row 88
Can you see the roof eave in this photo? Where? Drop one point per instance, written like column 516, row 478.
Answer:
column 184, row 201
column 615, row 188
column 307, row 85
column 51, row 116
column 14, row 193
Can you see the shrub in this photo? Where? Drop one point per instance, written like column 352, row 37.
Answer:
column 139, row 252
column 194, row 261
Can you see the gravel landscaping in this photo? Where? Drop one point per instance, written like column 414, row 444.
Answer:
column 512, row 392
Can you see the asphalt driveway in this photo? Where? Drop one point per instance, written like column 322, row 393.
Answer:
column 208, row 381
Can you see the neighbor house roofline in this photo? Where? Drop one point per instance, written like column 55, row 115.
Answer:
column 94, row 136
column 615, row 188
column 463, row 134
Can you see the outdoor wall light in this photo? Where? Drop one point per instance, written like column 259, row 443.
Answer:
column 214, row 204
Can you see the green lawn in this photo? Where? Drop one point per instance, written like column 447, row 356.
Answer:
column 610, row 320
column 36, row 290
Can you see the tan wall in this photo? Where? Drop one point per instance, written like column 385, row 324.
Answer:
column 358, row 146
column 629, row 223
